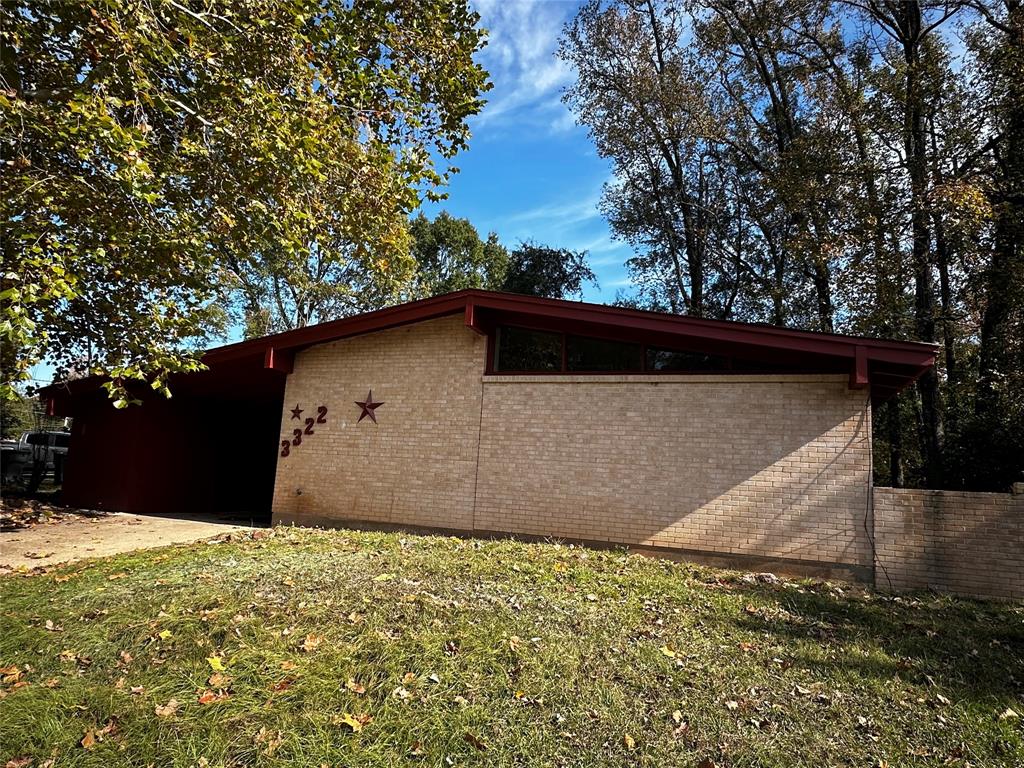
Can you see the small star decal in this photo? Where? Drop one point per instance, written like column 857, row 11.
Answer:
column 296, row 412
column 368, row 406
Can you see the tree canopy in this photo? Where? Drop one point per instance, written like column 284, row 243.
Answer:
column 169, row 163
column 451, row 256
column 831, row 165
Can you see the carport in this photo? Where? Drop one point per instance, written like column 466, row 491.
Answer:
column 208, row 450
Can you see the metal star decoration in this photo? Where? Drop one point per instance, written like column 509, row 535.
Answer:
column 296, row 412
column 368, row 406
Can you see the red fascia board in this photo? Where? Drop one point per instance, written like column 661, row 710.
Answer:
column 379, row 320
column 471, row 301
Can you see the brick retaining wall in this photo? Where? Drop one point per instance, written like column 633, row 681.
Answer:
column 964, row 543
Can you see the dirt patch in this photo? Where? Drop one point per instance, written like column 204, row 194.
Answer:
column 78, row 536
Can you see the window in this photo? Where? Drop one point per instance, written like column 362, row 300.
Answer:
column 520, row 349
column 659, row 359
column 586, row 354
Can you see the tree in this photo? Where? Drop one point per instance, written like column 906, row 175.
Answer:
column 166, row 162
column 826, row 164
column 554, row 273
column 450, row 256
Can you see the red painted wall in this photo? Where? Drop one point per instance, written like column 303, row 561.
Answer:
column 188, row 455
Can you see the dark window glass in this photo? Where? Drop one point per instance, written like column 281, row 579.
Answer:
column 742, row 364
column 61, row 441
column 586, row 354
column 675, row 360
column 520, row 349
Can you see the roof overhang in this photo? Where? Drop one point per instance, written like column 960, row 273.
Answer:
column 884, row 366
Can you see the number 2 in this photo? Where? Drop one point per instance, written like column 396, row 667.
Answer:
column 321, row 414
column 309, row 426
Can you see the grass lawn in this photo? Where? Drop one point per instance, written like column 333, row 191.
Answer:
column 310, row 648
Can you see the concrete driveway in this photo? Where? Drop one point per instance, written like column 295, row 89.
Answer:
column 82, row 537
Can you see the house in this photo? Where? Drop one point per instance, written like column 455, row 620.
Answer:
column 495, row 413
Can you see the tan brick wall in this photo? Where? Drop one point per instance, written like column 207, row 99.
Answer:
column 951, row 541
column 764, row 466
column 417, row 465
column 772, row 466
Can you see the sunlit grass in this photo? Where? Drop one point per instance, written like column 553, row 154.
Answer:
column 357, row 649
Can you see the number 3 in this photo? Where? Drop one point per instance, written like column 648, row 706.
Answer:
column 285, row 448
column 298, row 437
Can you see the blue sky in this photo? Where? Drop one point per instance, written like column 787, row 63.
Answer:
column 530, row 172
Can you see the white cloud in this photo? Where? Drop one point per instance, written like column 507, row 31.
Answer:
column 520, row 56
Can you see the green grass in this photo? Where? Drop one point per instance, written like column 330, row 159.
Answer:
column 491, row 653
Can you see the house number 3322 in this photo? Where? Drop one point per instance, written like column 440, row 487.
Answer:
column 321, row 418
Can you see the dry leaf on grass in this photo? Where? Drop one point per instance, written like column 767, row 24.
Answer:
column 216, row 663
column 355, row 687
column 476, row 742
column 208, row 696
column 168, row 709
column 355, row 722
column 311, row 643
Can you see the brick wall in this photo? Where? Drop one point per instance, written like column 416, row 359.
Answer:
column 964, row 543
column 770, row 467
column 417, row 466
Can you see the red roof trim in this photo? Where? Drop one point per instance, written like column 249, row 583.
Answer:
column 472, row 301
column 896, row 363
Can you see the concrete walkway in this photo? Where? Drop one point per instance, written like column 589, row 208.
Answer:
column 77, row 538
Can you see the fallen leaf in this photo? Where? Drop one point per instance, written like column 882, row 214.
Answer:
column 113, row 576
column 1009, row 714
column 629, row 741
column 401, row 693
column 311, row 643
column 126, row 657
column 384, row 577
column 355, row 687
column 416, row 749
column 287, row 665
column 19, row 762
column 216, row 663
column 88, row 740
column 677, row 717
column 409, row 677
column 137, row 690
column 666, row 651
column 168, row 709
column 732, row 705
column 208, row 696
column 51, row 627
column 165, row 634
column 282, row 685
column 218, row 680
column 476, row 742
column 355, row 722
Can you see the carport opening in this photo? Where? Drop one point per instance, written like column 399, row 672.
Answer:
column 210, row 451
